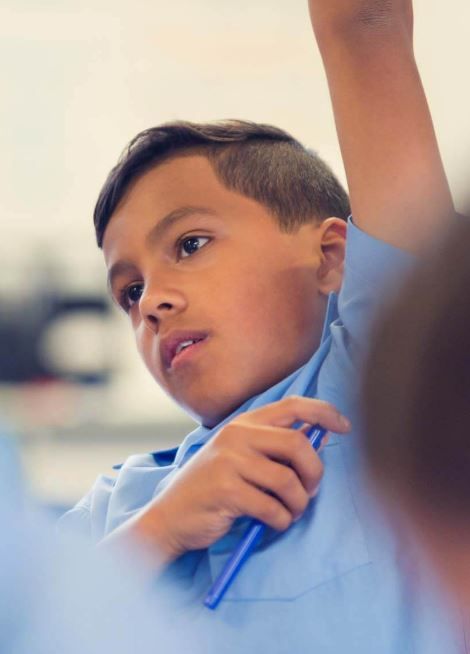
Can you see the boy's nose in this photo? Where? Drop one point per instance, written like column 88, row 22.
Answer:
column 157, row 306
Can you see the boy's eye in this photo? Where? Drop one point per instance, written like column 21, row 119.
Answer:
column 191, row 244
column 131, row 295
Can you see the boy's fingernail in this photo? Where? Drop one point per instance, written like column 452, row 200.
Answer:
column 345, row 422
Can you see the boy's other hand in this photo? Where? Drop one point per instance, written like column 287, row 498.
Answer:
column 256, row 466
column 397, row 184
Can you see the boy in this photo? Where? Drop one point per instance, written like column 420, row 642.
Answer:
column 416, row 396
column 228, row 260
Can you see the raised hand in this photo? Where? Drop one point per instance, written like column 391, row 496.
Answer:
column 397, row 184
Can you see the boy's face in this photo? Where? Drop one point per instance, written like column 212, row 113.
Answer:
column 192, row 261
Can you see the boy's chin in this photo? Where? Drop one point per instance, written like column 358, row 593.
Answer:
column 209, row 404
column 210, row 410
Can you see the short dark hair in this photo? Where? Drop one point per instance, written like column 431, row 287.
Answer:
column 416, row 389
column 260, row 161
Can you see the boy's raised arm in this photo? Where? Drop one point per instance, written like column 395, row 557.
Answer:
column 398, row 188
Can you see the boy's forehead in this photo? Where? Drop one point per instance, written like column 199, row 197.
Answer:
column 181, row 179
column 182, row 186
column 176, row 184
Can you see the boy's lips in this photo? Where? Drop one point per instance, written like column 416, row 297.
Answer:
column 174, row 343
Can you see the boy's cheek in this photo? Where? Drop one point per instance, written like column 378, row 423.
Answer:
column 258, row 338
column 148, row 351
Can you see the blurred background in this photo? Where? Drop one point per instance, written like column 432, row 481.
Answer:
column 77, row 83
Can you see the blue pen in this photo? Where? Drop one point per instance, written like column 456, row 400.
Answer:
column 252, row 537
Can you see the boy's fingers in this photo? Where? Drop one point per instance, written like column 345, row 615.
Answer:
column 324, row 442
column 257, row 504
column 279, row 480
column 296, row 408
column 293, row 448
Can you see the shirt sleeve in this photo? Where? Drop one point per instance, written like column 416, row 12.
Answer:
column 373, row 271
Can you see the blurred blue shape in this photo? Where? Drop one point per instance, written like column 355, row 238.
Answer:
column 58, row 596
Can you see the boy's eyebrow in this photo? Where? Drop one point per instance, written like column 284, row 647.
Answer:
column 123, row 267
column 119, row 268
column 171, row 218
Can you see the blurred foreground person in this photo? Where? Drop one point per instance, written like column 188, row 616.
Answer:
column 417, row 411
column 57, row 599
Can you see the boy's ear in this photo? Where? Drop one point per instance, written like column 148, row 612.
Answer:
column 332, row 241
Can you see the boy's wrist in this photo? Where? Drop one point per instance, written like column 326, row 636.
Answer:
column 369, row 54
column 151, row 529
column 352, row 30
column 142, row 535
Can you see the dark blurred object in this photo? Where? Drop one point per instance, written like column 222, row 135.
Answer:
column 23, row 329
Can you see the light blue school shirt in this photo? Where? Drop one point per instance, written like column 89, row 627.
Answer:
column 331, row 583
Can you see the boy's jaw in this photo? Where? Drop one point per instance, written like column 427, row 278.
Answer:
column 210, row 381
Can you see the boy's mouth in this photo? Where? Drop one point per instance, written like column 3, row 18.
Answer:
column 176, row 343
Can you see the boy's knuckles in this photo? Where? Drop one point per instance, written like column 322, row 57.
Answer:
column 227, row 488
column 222, row 459
column 285, row 480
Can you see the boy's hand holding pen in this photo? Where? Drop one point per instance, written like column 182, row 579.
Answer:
column 256, row 466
